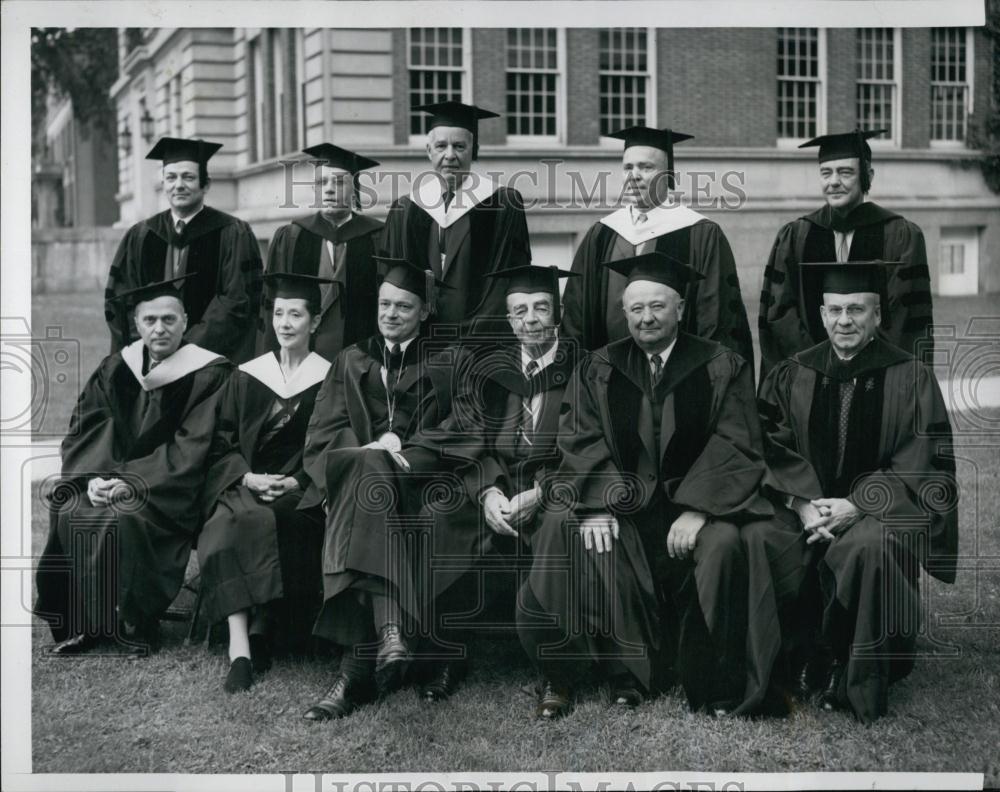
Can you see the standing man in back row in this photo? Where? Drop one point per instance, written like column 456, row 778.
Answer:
column 222, row 295
column 461, row 224
column 649, row 222
column 848, row 228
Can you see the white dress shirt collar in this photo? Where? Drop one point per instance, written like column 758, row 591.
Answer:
column 187, row 220
column 542, row 361
column 662, row 355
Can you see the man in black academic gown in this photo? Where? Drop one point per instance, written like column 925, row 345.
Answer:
column 650, row 221
column 460, row 223
column 507, row 407
column 376, row 457
column 858, row 445
column 222, row 293
column 337, row 243
column 848, row 228
column 126, row 508
column 660, row 465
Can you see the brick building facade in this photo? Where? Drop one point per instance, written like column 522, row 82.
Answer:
column 748, row 95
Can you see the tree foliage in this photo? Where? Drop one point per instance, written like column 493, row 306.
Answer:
column 79, row 63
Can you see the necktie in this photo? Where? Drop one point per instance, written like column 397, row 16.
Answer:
column 657, row 363
column 448, row 197
column 176, row 252
column 179, row 228
column 527, row 426
column 843, row 245
column 640, row 218
column 846, row 397
column 395, row 363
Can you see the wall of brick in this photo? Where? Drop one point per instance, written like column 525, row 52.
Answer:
column 489, row 81
column 714, row 83
column 583, row 123
column 841, row 113
column 916, row 130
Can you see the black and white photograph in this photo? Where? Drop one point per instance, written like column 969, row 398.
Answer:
column 487, row 395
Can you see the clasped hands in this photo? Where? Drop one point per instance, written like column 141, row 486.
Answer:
column 104, row 492
column 599, row 531
column 268, row 486
column 825, row 518
column 505, row 516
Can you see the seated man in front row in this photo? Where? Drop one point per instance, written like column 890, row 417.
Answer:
column 372, row 449
column 127, row 506
column 857, row 443
column 507, row 408
column 660, row 462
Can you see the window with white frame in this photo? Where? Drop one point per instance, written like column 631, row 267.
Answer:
column 800, row 83
column 436, row 60
column 125, row 155
column 533, row 82
column 255, row 100
column 624, row 74
column 272, row 94
column 877, row 87
column 951, row 83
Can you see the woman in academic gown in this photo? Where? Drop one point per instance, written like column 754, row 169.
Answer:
column 259, row 554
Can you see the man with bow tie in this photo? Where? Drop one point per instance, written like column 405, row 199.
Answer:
column 216, row 254
column 660, row 464
column 651, row 221
column 376, row 456
column 127, row 506
column 460, row 223
column 338, row 243
column 849, row 227
column 858, row 446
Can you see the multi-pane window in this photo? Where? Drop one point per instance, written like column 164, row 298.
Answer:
column 799, row 83
column 125, row 155
column 950, row 89
column 271, row 94
column 624, row 78
column 436, row 61
column 952, row 258
column 532, row 82
column 876, row 79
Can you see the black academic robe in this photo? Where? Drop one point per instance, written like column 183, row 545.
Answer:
column 251, row 552
column 713, row 307
column 102, row 565
column 789, row 319
column 222, row 299
column 898, row 469
column 493, row 235
column 383, row 523
column 615, row 606
column 351, row 317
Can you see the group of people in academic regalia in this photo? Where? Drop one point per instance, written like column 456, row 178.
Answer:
column 404, row 433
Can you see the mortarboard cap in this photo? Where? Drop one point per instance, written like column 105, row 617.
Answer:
column 662, row 139
column 168, row 288
column 656, row 267
column 457, row 114
column 845, row 277
column 169, row 149
column 530, row 278
column 338, row 157
column 844, row 145
column 292, row 285
column 403, row 274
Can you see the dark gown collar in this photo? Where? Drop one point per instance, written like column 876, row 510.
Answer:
column 206, row 221
column 358, row 225
column 690, row 353
column 879, row 354
column 504, row 368
column 864, row 214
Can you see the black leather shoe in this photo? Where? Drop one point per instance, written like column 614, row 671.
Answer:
column 830, row 697
column 343, row 697
column 554, row 701
column 444, row 682
column 625, row 693
column 78, row 644
column 240, row 676
column 392, row 659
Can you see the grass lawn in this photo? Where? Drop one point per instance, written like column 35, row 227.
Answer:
column 168, row 713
